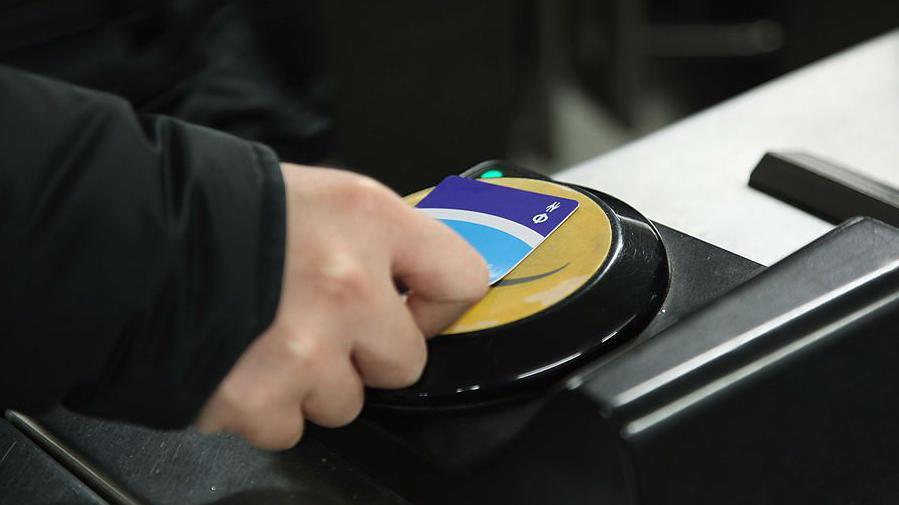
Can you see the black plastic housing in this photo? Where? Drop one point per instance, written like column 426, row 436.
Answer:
column 824, row 189
column 779, row 391
column 516, row 360
column 749, row 385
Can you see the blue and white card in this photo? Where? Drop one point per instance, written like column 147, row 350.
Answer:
column 504, row 224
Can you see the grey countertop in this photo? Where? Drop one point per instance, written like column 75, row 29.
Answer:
column 693, row 175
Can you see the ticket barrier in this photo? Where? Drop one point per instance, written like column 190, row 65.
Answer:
column 622, row 362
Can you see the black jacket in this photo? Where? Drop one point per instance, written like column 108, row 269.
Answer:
column 139, row 254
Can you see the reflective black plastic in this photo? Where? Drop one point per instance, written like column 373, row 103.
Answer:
column 504, row 362
column 551, row 447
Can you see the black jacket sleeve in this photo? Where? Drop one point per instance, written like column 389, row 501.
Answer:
column 139, row 256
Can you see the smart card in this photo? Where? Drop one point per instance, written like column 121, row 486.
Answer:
column 503, row 224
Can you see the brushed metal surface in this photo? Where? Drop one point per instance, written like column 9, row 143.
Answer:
column 693, row 174
column 80, row 468
column 28, row 475
column 186, row 468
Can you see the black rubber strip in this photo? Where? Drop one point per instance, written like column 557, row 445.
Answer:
column 824, row 189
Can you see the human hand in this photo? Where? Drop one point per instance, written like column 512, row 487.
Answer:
column 341, row 323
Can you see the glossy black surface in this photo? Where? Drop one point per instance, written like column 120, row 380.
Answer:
column 537, row 451
column 781, row 391
column 500, row 363
column 544, row 446
column 552, row 448
column 30, row 476
column 824, row 189
column 778, row 389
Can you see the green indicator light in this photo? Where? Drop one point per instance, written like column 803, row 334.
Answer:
column 491, row 174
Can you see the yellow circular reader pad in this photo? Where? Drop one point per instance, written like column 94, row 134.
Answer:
column 563, row 263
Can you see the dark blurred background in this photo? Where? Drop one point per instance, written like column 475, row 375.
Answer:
column 419, row 89
column 411, row 90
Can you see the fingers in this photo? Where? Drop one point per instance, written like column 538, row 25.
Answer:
column 340, row 323
column 279, row 431
column 337, row 396
column 443, row 273
column 254, row 413
column 392, row 352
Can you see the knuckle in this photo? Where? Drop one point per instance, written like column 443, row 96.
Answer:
column 309, row 353
column 242, row 397
column 276, row 439
column 350, row 279
column 255, row 435
column 353, row 405
column 393, row 373
column 251, row 404
column 342, row 278
column 272, row 431
column 409, row 370
column 210, row 421
column 260, row 395
column 343, row 412
column 290, row 436
column 366, row 195
column 368, row 185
